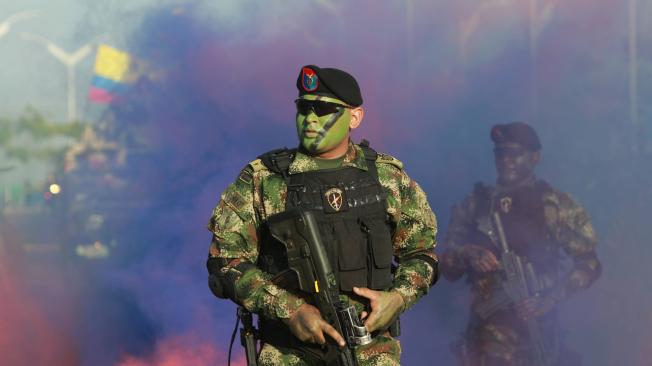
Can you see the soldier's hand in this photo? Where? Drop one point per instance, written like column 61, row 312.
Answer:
column 385, row 307
column 533, row 307
column 308, row 325
column 480, row 259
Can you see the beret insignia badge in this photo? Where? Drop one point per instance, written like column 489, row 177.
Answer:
column 309, row 79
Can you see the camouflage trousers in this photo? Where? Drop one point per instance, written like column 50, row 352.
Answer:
column 382, row 351
column 505, row 342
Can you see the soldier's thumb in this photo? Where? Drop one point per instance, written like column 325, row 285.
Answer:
column 365, row 292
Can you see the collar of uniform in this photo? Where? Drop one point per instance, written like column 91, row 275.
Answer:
column 354, row 157
column 528, row 183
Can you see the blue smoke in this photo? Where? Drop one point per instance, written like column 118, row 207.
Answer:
column 216, row 95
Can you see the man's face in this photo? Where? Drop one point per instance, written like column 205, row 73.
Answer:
column 322, row 123
column 514, row 163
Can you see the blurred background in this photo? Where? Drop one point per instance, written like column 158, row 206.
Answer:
column 122, row 122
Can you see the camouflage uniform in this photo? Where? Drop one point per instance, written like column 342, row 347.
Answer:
column 544, row 226
column 259, row 193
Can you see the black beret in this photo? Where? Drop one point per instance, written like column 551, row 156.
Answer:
column 329, row 82
column 518, row 132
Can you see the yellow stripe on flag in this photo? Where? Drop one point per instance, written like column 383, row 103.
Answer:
column 112, row 64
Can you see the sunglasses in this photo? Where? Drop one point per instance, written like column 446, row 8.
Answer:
column 320, row 108
column 508, row 151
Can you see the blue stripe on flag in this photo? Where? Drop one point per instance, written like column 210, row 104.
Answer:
column 108, row 84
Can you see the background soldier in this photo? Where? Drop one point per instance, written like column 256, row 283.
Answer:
column 368, row 211
column 543, row 227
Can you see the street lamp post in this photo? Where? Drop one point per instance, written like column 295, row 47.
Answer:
column 638, row 142
column 534, row 59
column 70, row 60
column 5, row 26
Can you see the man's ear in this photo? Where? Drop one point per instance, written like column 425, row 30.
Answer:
column 357, row 114
column 536, row 156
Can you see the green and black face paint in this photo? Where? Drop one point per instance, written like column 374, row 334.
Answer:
column 319, row 134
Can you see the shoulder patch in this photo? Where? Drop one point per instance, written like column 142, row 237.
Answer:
column 235, row 200
column 388, row 159
column 257, row 165
column 246, row 175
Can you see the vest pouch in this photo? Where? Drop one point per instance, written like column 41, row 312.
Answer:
column 351, row 256
column 380, row 245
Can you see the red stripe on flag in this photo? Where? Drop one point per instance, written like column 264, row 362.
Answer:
column 98, row 95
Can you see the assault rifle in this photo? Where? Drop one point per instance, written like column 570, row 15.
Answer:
column 297, row 230
column 519, row 285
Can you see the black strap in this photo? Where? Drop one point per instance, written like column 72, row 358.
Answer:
column 235, row 330
column 279, row 160
column 483, row 199
column 370, row 155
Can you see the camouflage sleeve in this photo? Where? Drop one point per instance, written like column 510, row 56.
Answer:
column 453, row 265
column 414, row 235
column 575, row 233
column 234, row 227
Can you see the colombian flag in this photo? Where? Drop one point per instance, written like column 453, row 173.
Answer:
column 112, row 74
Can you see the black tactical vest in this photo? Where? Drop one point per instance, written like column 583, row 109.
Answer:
column 522, row 216
column 350, row 207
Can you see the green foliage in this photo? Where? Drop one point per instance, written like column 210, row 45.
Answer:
column 6, row 131
column 25, row 154
column 30, row 137
column 34, row 124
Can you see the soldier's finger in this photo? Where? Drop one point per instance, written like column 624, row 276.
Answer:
column 318, row 337
column 333, row 333
column 370, row 322
column 306, row 337
column 489, row 260
column 493, row 261
column 365, row 292
column 492, row 258
column 522, row 312
column 477, row 265
column 484, row 266
column 530, row 312
column 363, row 315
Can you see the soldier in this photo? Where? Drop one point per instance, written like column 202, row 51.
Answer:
column 368, row 211
column 543, row 227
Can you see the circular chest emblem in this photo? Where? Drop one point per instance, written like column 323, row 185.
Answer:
column 309, row 79
column 334, row 198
